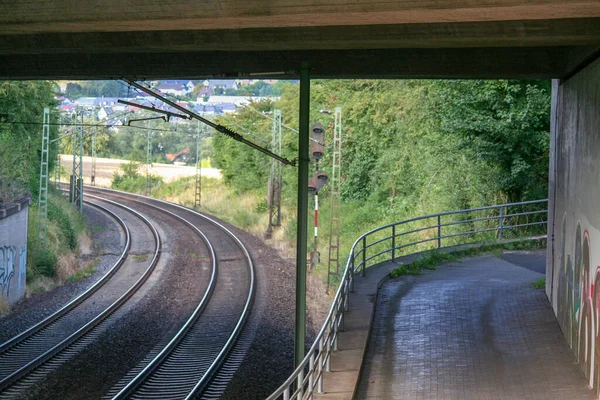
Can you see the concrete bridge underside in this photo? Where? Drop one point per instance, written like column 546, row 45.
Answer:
column 341, row 38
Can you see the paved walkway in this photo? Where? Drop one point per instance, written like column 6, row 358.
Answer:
column 469, row 330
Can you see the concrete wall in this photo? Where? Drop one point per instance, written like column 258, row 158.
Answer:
column 573, row 270
column 13, row 250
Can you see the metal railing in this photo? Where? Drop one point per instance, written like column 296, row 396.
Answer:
column 504, row 221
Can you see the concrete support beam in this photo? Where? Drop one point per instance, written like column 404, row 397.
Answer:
column 522, row 62
column 557, row 32
column 30, row 16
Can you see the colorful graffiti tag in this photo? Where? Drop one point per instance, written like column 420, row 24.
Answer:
column 579, row 301
column 7, row 268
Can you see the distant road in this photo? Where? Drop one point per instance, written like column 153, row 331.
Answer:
column 105, row 168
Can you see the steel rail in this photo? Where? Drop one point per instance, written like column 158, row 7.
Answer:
column 82, row 331
column 307, row 378
column 176, row 340
column 79, row 299
column 213, row 368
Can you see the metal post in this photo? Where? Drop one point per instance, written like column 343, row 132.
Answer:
column 302, row 215
column 77, row 178
column 315, row 258
column 93, row 177
column 198, row 193
column 335, row 328
column 275, row 177
column 311, row 372
column 393, row 243
column 57, row 166
column 149, row 164
column 42, row 216
column 500, row 223
column 73, row 179
column 328, row 353
column 364, row 255
column 320, row 367
column 352, row 272
column 439, row 231
column 335, row 224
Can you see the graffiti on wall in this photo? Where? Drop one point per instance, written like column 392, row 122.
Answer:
column 7, row 268
column 22, row 267
column 579, row 300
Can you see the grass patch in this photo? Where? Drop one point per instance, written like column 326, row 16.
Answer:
column 140, row 257
column 81, row 274
column 539, row 284
column 431, row 259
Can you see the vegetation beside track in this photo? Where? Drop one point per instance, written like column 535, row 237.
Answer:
column 19, row 174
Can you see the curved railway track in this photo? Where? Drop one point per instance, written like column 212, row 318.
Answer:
column 183, row 365
column 61, row 331
column 183, row 368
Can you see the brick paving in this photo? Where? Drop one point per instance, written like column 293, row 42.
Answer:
column 469, row 330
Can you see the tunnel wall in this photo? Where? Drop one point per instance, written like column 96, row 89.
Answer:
column 13, row 250
column 573, row 269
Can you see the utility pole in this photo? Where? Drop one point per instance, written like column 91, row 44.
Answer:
column 93, row 177
column 57, row 166
column 302, row 215
column 275, row 177
column 42, row 215
column 77, row 176
column 149, row 164
column 335, row 226
column 198, row 194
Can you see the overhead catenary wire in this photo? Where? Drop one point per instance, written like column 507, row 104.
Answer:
column 86, row 125
column 283, row 125
column 219, row 128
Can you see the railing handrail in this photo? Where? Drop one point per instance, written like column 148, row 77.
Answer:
column 351, row 269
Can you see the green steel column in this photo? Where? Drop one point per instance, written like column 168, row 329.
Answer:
column 301, row 247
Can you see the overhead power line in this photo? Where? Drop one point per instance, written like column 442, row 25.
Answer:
column 219, row 128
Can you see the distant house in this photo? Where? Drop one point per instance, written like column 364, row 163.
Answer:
column 204, row 92
column 190, row 85
column 105, row 112
column 67, row 107
column 222, row 84
column 92, row 102
column 86, row 102
column 236, row 100
column 176, row 89
column 182, row 156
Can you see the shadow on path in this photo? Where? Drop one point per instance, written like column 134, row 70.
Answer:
column 474, row 329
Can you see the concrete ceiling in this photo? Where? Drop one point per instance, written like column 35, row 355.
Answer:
column 341, row 38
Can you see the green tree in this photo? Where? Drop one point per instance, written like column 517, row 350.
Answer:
column 20, row 144
column 505, row 124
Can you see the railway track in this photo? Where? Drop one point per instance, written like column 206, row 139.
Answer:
column 22, row 355
column 184, row 366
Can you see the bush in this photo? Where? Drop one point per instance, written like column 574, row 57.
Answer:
column 44, row 263
column 57, row 215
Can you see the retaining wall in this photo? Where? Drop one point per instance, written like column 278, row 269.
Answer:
column 573, row 269
column 13, row 249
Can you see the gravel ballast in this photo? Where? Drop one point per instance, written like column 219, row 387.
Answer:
column 108, row 244
column 268, row 359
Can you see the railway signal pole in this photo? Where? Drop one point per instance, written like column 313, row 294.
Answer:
column 318, row 180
